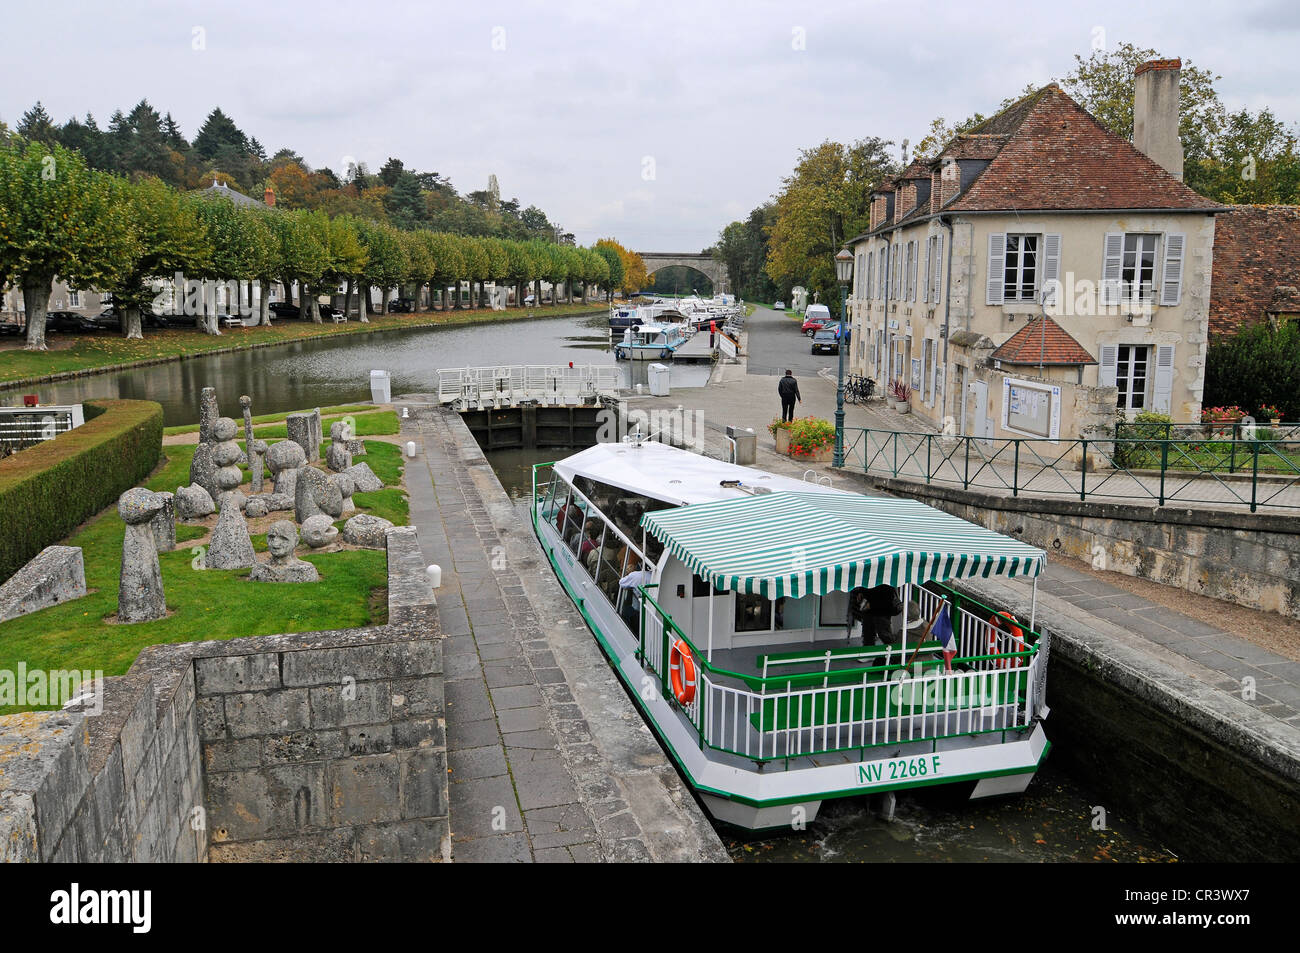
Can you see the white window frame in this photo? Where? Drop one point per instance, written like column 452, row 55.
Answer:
column 1130, row 274
column 1016, row 290
column 74, row 298
column 1124, row 376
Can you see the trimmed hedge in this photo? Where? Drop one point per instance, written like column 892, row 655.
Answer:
column 48, row 490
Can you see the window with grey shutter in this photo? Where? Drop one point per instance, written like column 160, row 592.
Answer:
column 1171, row 290
column 997, row 261
column 1112, row 261
column 938, row 266
column 912, row 273
column 1164, row 377
column 871, row 260
column 1106, row 369
column 1051, row 268
column 929, row 253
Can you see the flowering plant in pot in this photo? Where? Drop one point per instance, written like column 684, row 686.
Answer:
column 812, row 439
column 780, row 431
column 891, row 394
column 902, row 395
column 1270, row 413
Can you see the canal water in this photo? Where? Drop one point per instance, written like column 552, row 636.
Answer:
column 336, row 370
column 1058, row 819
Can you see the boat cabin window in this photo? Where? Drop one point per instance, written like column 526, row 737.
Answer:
column 835, row 609
column 757, row 614
column 753, row 613
column 699, row 587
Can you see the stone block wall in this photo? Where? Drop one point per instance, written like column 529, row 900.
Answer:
column 120, row 785
column 310, row 746
column 333, row 752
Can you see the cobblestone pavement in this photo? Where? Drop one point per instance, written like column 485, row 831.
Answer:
column 531, row 779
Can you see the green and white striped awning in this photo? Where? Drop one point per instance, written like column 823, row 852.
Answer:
column 796, row 543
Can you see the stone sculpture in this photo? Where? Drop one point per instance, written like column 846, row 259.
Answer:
column 246, row 405
column 346, row 488
column 257, row 506
column 57, row 574
column 257, row 451
column 208, row 413
column 363, row 478
column 284, row 459
column 316, row 494
column 193, row 502
column 164, row 524
column 140, row 595
column 283, row 565
column 225, row 455
column 366, row 530
column 318, row 531
column 230, row 546
column 304, row 430
column 338, row 458
column 203, row 469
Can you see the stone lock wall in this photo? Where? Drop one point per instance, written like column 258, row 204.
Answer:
column 309, row 746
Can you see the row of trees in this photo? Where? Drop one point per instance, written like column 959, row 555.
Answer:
column 1232, row 157
column 91, row 229
column 143, row 142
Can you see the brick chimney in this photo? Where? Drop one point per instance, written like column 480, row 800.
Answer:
column 1155, row 113
column 269, row 197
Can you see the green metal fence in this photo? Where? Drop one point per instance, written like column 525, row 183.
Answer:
column 1220, row 467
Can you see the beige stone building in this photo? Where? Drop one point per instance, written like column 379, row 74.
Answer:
column 1041, row 275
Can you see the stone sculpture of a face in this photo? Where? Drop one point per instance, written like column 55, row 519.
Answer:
column 281, row 539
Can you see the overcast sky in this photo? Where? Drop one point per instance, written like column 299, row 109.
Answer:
column 656, row 123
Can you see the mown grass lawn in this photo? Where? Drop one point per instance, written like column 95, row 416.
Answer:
column 203, row 604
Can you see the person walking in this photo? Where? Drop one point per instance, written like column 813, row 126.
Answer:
column 788, row 389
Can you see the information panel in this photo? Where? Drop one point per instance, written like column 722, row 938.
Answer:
column 1031, row 408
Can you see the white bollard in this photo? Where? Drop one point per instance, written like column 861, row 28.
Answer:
column 435, row 575
column 410, row 448
column 405, row 413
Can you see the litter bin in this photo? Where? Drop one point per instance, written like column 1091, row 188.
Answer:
column 746, row 445
column 381, row 387
column 658, row 380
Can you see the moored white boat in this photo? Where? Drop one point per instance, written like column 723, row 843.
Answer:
column 739, row 655
column 649, row 342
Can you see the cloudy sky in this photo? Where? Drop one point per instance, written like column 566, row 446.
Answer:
column 654, row 122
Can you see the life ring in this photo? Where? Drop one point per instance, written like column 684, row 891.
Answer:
column 681, row 670
column 1010, row 626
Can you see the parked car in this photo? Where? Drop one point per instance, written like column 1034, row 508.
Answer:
column 779, row 306
column 532, row 299
column 399, row 306
column 815, row 318
column 107, row 320
column 13, row 327
column 284, row 309
column 825, row 342
column 64, row 321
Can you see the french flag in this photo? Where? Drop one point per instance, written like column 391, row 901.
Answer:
column 942, row 632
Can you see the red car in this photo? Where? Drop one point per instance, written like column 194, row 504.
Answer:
column 815, row 318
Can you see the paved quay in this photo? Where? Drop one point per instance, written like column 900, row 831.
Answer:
column 744, row 395
column 549, row 761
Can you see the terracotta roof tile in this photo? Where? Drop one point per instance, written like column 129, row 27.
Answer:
column 1057, row 156
column 1026, row 346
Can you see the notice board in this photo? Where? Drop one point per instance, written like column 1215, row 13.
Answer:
column 1032, row 408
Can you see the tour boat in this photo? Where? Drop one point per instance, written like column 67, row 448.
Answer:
column 650, row 342
column 735, row 641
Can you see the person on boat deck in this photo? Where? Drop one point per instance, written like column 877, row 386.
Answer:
column 589, row 540
column 875, row 610
column 788, row 389
column 631, row 611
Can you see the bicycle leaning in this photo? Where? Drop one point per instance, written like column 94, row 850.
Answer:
column 858, row 389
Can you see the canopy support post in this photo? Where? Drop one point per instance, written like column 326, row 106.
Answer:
column 710, row 652
column 1033, row 606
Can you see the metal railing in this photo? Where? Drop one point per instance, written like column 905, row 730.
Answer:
column 1256, row 473
column 22, row 427
column 995, row 688
column 471, row 388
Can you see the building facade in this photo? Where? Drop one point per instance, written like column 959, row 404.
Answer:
column 1040, row 276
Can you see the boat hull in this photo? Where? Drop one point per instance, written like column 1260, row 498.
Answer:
column 781, row 795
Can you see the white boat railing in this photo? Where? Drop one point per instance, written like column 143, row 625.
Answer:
column 474, row 388
column 996, row 688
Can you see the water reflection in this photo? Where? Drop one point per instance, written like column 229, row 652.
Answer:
column 337, row 370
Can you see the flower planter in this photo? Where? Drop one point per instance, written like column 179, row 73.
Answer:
column 904, row 406
column 817, row 456
column 892, row 402
column 783, row 440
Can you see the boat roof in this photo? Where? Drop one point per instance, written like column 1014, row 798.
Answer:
column 675, row 475
column 798, row 542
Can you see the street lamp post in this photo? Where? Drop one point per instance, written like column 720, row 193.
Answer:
column 843, row 272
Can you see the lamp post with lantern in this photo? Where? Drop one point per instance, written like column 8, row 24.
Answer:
column 844, row 274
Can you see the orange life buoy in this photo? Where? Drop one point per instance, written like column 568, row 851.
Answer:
column 995, row 620
column 681, row 670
